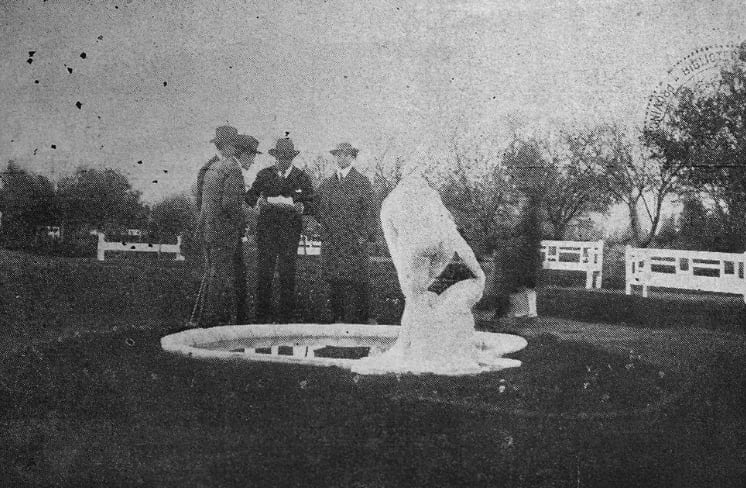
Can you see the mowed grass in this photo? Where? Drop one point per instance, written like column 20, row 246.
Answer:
column 89, row 399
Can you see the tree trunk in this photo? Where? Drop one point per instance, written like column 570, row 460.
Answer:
column 634, row 223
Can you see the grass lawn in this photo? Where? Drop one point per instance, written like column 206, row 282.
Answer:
column 89, row 399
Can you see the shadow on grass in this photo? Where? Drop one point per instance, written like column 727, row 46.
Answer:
column 114, row 409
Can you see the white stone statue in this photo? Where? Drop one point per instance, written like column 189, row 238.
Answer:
column 437, row 331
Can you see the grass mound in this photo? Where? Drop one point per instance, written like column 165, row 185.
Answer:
column 115, row 408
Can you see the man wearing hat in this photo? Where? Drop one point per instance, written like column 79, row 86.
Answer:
column 283, row 193
column 346, row 212
column 220, row 226
column 246, row 147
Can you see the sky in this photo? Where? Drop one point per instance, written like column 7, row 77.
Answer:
column 389, row 77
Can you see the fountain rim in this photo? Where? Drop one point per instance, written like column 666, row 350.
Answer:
column 185, row 342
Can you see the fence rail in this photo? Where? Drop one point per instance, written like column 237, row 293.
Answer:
column 687, row 270
column 584, row 256
column 118, row 246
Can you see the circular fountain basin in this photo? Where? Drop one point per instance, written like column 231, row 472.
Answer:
column 314, row 344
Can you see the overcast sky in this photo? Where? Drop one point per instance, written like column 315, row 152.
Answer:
column 158, row 77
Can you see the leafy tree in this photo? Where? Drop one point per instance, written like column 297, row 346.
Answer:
column 27, row 200
column 172, row 216
column 706, row 136
column 176, row 215
column 100, row 198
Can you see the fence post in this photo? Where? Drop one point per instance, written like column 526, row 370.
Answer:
column 600, row 257
column 740, row 268
column 628, row 269
column 100, row 252
column 179, row 256
column 589, row 266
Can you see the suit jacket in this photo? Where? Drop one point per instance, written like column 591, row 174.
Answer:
column 522, row 260
column 269, row 184
column 219, row 196
column 346, row 212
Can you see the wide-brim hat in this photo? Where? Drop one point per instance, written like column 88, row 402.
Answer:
column 225, row 134
column 284, row 148
column 247, row 143
column 345, row 148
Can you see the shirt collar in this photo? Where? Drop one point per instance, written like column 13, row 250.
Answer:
column 286, row 173
column 229, row 159
column 342, row 173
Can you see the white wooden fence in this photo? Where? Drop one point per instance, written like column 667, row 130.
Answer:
column 118, row 246
column 309, row 247
column 687, row 270
column 585, row 256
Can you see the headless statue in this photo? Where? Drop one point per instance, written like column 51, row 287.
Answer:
column 437, row 330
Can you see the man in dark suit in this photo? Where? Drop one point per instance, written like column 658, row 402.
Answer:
column 282, row 193
column 345, row 210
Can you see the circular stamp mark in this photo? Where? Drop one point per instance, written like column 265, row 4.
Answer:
column 699, row 71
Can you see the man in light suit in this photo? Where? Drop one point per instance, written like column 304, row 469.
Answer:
column 345, row 209
column 220, row 226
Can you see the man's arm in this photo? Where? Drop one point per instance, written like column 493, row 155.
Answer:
column 201, row 181
column 368, row 210
column 255, row 192
column 232, row 190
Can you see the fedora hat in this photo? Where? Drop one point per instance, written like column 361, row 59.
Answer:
column 345, row 148
column 247, row 143
column 284, row 148
column 225, row 134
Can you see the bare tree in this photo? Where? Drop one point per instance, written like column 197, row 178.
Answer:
column 476, row 190
column 632, row 175
column 568, row 189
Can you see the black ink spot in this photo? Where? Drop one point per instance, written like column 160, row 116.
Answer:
column 102, row 146
column 345, row 77
column 54, row 146
column 165, row 83
column 230, row 67
column 155, row 181
column 287, row 134
column 36, row 149
column 139, row 162
column 70, row 70
column 29, row 60
column 116, row 6
column 165, row 171
column 78, row 104
column 82, row 55
column 100, row 38
column 31, row 54
column 36, row 81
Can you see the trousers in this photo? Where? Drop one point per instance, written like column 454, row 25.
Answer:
column 218, row 297
column 277, row 246
column 239, row 277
